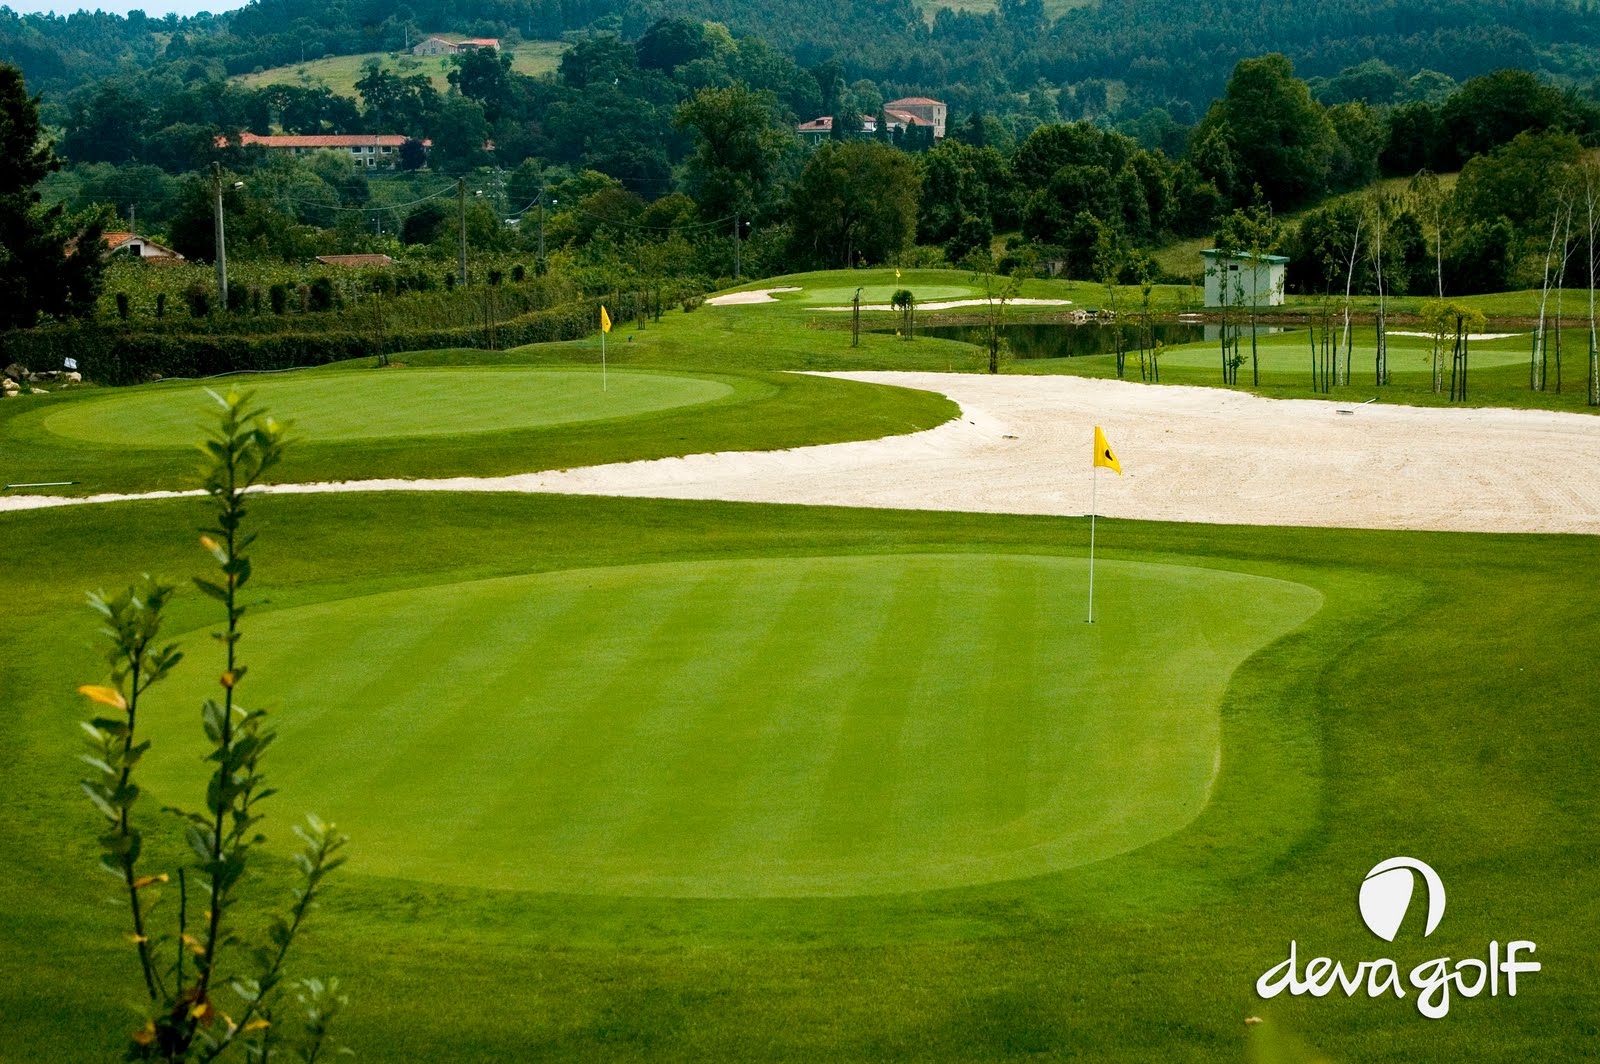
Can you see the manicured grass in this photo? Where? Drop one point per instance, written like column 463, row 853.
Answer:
column 770, row 727
column 1437, row 705
column 488, row 414
column 362, row 405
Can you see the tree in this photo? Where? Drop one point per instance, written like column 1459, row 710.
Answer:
column 1282, row 137
column 998, row 289
column 854, row 203
column 739, row 148
column 39, row 275
column 213, row 941
column 1256, row 233
column 427, row 223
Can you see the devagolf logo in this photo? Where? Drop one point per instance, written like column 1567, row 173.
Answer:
column 1385, row 897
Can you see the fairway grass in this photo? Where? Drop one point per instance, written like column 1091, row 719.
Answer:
column 1436, row 705
column 773, row 727
column 329, row 407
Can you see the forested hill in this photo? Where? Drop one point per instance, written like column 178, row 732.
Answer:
column 1148, row 53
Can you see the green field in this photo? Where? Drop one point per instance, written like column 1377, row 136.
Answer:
column 1425, row 696
column 452, row 413
column 427, row 402
column 641, row 780
column 341, row 72
column 692, row 728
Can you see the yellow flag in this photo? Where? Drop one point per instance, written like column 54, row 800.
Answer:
column 1103, row 454
column 605, row 319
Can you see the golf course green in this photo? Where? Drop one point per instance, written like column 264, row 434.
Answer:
column 329, row 407
column 773, row 727
column 634, row 779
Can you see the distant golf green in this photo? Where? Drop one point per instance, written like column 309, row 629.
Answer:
column 761, row 727
column 415, row 402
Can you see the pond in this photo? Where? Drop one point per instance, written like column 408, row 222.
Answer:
column 1064, row 340
column 1067, row 340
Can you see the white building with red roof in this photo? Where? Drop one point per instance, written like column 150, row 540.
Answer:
column 930, row 112
column 367, row 150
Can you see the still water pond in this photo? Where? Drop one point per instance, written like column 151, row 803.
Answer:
column 1062, row 340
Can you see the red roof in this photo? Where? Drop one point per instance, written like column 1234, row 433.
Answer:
column 326, row 140
column 823, row 124
column 482, row 42
column 906, row 117
column 915, row 101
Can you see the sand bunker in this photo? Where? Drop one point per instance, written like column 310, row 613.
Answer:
column 1470, row 336
column 760, row 295
column 1022, row 445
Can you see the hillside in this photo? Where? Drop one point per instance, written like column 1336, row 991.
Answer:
column 341, row 72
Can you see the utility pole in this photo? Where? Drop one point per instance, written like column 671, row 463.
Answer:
column 540, row 268
column 133, row 216
column 222, row 249
column 736, row 256
column 855, row 320
column 461, row 204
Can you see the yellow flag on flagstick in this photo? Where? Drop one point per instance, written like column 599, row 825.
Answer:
column 605, row 322
column 1103, row 454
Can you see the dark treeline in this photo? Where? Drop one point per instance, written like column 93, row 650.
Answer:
column 1142, row 52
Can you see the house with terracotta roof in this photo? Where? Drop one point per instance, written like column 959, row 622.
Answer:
column 931, row 112
column 370, row 151
column 130, row 245
column 898, row 121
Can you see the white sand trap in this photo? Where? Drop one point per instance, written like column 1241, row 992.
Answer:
column 1470, row 336
column 951, row 304
column 1022, row 445
column 760, row 295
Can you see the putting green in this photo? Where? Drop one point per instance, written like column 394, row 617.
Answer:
column 1290, row 352
column 763, row 727
column 394, row 403
column 882, row 293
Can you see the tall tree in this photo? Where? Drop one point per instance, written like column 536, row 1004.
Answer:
column 854, row 203
column 740, row 145
column 38, row 273
column 1282, row 137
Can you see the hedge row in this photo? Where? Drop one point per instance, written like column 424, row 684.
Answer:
column 113, row 356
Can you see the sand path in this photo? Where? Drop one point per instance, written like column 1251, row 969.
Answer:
column 1022, row 445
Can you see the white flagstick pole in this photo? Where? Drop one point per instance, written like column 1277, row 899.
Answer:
column 602, row 360
column 1094, row 481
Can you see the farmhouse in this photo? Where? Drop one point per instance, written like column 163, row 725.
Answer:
column 1241, row 279
column 133, row 245
column 927, row 112
column 820, row 129
column 444, row 46
column 371, row 151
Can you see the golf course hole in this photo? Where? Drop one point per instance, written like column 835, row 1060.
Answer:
column 346, row 405
column 748, row 728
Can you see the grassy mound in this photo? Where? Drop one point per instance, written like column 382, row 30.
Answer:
column 769, row 727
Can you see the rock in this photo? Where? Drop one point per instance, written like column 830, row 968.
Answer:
column 37, row 391
column 16, row 371
column 75, row 377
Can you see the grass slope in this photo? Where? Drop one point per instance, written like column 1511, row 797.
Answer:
column 341, row 72
column 1437, row 705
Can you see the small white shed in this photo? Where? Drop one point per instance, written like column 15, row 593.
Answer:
column 1241, row 279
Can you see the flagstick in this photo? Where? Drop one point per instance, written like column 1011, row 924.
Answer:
column 1094, row 481
column 602, row 360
